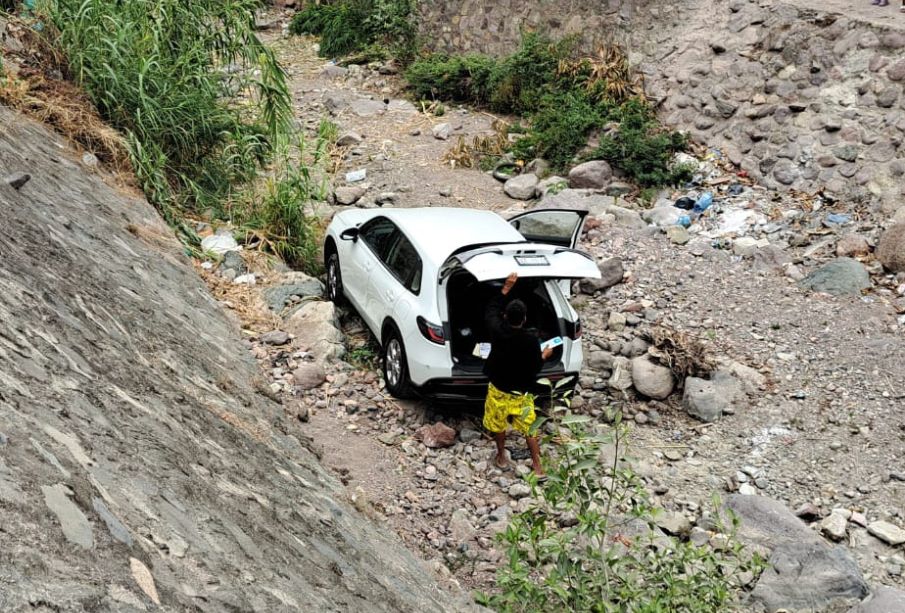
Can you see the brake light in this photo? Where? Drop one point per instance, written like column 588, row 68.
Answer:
column 431, row 332
column 573, row 329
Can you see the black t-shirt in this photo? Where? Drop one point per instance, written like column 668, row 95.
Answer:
column 515, row 356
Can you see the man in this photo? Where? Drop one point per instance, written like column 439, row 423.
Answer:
column 513, row 364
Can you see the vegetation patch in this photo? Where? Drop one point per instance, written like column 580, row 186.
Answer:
column 565, row 99
column 373, row 29
column 590, row 542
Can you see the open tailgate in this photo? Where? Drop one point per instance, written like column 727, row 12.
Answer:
column 529, row 260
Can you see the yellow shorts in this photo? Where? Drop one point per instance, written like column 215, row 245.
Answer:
column 502, row 410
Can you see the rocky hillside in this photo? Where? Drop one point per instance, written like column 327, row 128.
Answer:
column 142, row 460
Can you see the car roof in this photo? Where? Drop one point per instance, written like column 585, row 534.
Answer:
column 438, row 232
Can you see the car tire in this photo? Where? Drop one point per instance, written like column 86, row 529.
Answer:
column 395, row 366
column 335, row 280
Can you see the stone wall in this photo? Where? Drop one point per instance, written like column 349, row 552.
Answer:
column 143, row 463
column 796, row 97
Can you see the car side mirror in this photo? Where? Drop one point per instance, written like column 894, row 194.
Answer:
column 350, row 234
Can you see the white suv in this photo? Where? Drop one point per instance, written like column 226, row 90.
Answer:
column 421, row 279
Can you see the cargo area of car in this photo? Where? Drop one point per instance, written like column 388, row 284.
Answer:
column 467, row 301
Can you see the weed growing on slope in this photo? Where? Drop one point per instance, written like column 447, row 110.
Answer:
column 589, row 541
column 158, row 71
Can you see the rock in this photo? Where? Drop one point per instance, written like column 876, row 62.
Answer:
column 882, row 600
column 678, row 235
column 367, row 108
column 117, row 530
column 600, row 360
column 309, row 376
column 708, row 400
column 675, row 524
column 621, row 378
column 232, row 260
column 652, row 380
column 891, row 250
column 219, row 243
column 467, row 435
column 852, row 246
column 90, row 160
column 521, row 187
column 752, row 380
column 765, row 523
column 809, row 576
column 519, row 491
column 385, row 198
column 348, row 195
column 746, row 489
column 887, row 532
column 662, row 216
column 460, row 528
column 807, row 512
column 624, row 217
column 618, row 188
column 441, row 131
column 839, row 277
column 278, row 296
column 332, row 71
column 144, row 579
column 274, row 337
column 590, row 175
column 315, row 327
column 616, row 321
column 612, row 272
column 834, row 526
column 550, row 185
column 247, row 279
column 538, row 167
column 17, row 180
column 436, row 436
column 76, row 527
column 349, row 139
column 785, row 172
column 744, row 246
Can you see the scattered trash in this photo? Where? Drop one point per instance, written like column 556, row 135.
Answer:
column 736, row 189
column 838, row 219
column 703, row 203
column 357, row 175
column 684, row 221
column 685, row 203
column 219, row 243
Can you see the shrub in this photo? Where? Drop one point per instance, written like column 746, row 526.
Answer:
column 643, row 148
column 457, row 78
column 588, row 542
column 349, row 26
column 162, row 72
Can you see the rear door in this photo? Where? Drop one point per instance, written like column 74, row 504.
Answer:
column 561, row 227
column 528, row 260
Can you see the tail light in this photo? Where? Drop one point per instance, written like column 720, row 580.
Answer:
column 573, row 329
column 431, row 332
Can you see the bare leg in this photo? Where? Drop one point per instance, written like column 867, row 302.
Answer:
column 501, row 460
column 534, row 448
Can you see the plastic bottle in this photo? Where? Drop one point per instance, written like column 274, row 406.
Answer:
column 703, row 203
column 684, row 221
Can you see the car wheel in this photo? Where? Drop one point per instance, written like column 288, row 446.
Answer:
column 334, row 280
column 395, row 366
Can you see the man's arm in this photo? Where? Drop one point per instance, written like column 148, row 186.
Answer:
column 493, row 317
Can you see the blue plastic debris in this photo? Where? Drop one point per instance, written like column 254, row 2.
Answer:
column 838, row 219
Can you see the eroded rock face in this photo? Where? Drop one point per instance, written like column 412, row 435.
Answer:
column 131, row 427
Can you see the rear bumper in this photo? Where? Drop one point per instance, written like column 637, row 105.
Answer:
column 473, row 388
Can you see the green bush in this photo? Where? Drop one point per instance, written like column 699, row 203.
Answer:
column 564, row 101
column 162, row 72
column 643, row 148
column 351, row 26
column 588, row 542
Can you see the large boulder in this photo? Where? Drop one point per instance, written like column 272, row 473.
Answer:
column 349, row 194
column 436, row 435
column 316, row 330
column 612, row 272
column 891, row 250
column 652, row 380
column 297, row 285
column 707, row 399
column 521, row 187
column 842, row 276
column 591, row 175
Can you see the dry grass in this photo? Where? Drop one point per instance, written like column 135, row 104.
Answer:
column 609, row 73
column 244, row 300
column 469, row 155
column 685, row 355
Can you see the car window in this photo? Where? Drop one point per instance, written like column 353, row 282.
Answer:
column 556, row 227
column 378, row 234
column 405, row 263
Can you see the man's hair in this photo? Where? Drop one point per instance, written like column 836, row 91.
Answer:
column 516, row 312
